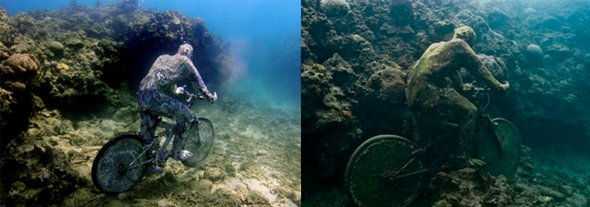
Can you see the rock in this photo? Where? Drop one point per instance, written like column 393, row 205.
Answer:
column 335, row 7
column 442, row 203
column 3, row 14
column 534, row 53
column 497, row 19
column 550, row 192
column 123, row 195
column 559, row 52
column 495, row 65
column 341, row 70
column 566, row 189
column 465, row 187
column 21, row 65
column 75, row 43
column 478, row 23
column 4, row 52
column 528, row 167
column 442, row 28
column 225, row 136
column 214, row 174
column 529, row 11
column 175, row 20
column 62, row 66
column 544, row 199
column 166, row 203
column 5, row 101
column 580, row 183
column 551, row 22
column 401, row 12
column 577, row 200
column 56, row 48
column 389, row 84
column 296, row 197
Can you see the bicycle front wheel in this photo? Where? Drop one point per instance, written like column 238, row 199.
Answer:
column 199, row 141
column 111, row 171
column 499, row 147
column 383, row 172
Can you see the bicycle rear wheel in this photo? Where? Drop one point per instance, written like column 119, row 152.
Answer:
column 110, row 169
column 199, row 141
column 368, row 168
column 500, row 148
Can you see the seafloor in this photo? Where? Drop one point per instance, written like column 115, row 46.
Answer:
column 67, row 80
column 355, row 59
column 255, row 160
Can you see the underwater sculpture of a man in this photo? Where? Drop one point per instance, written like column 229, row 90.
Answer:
column 442, row 117
column 158, row 96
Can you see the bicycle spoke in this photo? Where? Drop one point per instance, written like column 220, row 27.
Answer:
column 137, row 158
column 199, row 140
column 392, row 174
column 384, row 171
column 141, row 163
column 115, row 168
column 412, row 173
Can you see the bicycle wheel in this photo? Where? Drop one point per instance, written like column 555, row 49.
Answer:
column 500, row 148
column 367, row 172
column 110, row 169
column 199, row 141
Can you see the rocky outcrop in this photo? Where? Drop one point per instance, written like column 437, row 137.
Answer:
column 539, row 49
column 469, row 187
column 67, row 62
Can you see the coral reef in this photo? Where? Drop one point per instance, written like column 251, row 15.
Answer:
column 534, row 53
column 40, row 171
column 335, row 7
column 469, row 187
column 76, row 63
column 542, row 50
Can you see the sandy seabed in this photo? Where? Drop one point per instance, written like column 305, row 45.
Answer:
column 255, row 159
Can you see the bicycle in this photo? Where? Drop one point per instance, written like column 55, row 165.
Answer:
column 388, row 170
column 121, row 163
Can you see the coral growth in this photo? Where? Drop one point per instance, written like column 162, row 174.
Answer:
column 58, row 65
column 469, row 187
column 539, row 48
column 534, row 52
column 335, row 7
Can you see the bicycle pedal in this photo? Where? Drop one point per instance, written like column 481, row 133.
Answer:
column 154, row 170
column 162, row 157
column 184, row 155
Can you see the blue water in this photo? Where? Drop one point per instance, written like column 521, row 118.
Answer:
column 264, row 38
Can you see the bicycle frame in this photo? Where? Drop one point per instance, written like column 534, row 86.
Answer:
column 167, row 132
column 486, row 121
column 169, row 136
column 396, row 174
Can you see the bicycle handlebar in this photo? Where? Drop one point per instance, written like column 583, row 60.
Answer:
column 191, row 96
column 477, row 89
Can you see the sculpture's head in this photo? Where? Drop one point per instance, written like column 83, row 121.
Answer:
column 185, row 49
column 465, row 33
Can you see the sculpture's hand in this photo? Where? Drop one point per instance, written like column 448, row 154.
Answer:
column 504, row 86
column 468, row 87
column 213, row 97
